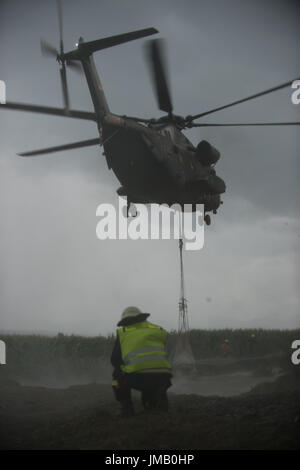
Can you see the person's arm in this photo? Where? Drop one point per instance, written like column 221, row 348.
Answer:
column 116, row 356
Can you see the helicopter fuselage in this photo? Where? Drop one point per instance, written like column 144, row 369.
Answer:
column 154, row 163
column 158, row 164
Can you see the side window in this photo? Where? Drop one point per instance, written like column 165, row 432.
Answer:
column 168, row 134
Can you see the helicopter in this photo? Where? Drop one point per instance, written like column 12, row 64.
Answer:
column 152, row 158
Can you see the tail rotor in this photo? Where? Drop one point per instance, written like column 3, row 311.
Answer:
column 50, row 51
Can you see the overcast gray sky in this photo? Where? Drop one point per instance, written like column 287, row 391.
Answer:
column 55, row 274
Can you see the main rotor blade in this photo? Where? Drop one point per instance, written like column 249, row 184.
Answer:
column 159, row 75
column 89, row 116
column 247, row 124
column 59, row 148
column 47, row 49
column 279, row 87
column 64, row 85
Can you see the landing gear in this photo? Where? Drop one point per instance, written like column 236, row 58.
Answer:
column 207, row 219
column 127, row 208
column 128, row 214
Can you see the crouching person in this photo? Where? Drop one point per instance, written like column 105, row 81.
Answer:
column 140, row 362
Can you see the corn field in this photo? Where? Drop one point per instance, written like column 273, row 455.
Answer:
column 37, row 356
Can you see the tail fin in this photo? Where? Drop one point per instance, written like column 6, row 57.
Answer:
column 87, row 48
column 84, row 53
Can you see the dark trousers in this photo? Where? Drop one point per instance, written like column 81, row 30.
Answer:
column 153, row 388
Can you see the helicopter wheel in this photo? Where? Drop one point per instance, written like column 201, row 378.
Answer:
column 128, row 214
column 207, row 219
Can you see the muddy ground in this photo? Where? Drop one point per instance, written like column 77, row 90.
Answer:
column 86, row 417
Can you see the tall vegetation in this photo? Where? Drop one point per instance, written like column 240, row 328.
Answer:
column 33, row 356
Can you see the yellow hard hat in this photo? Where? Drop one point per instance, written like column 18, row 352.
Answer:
column 131, row 312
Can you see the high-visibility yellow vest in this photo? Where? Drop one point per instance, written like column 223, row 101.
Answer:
column 143, row 347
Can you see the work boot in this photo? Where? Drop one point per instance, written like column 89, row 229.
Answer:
column 126, row 409
column 155, row 400
column 163, row 402
column 146, row 400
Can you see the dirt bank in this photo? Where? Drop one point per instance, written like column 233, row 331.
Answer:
column 85, row 417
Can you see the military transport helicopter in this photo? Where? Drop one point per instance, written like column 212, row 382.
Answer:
column 152, row 158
